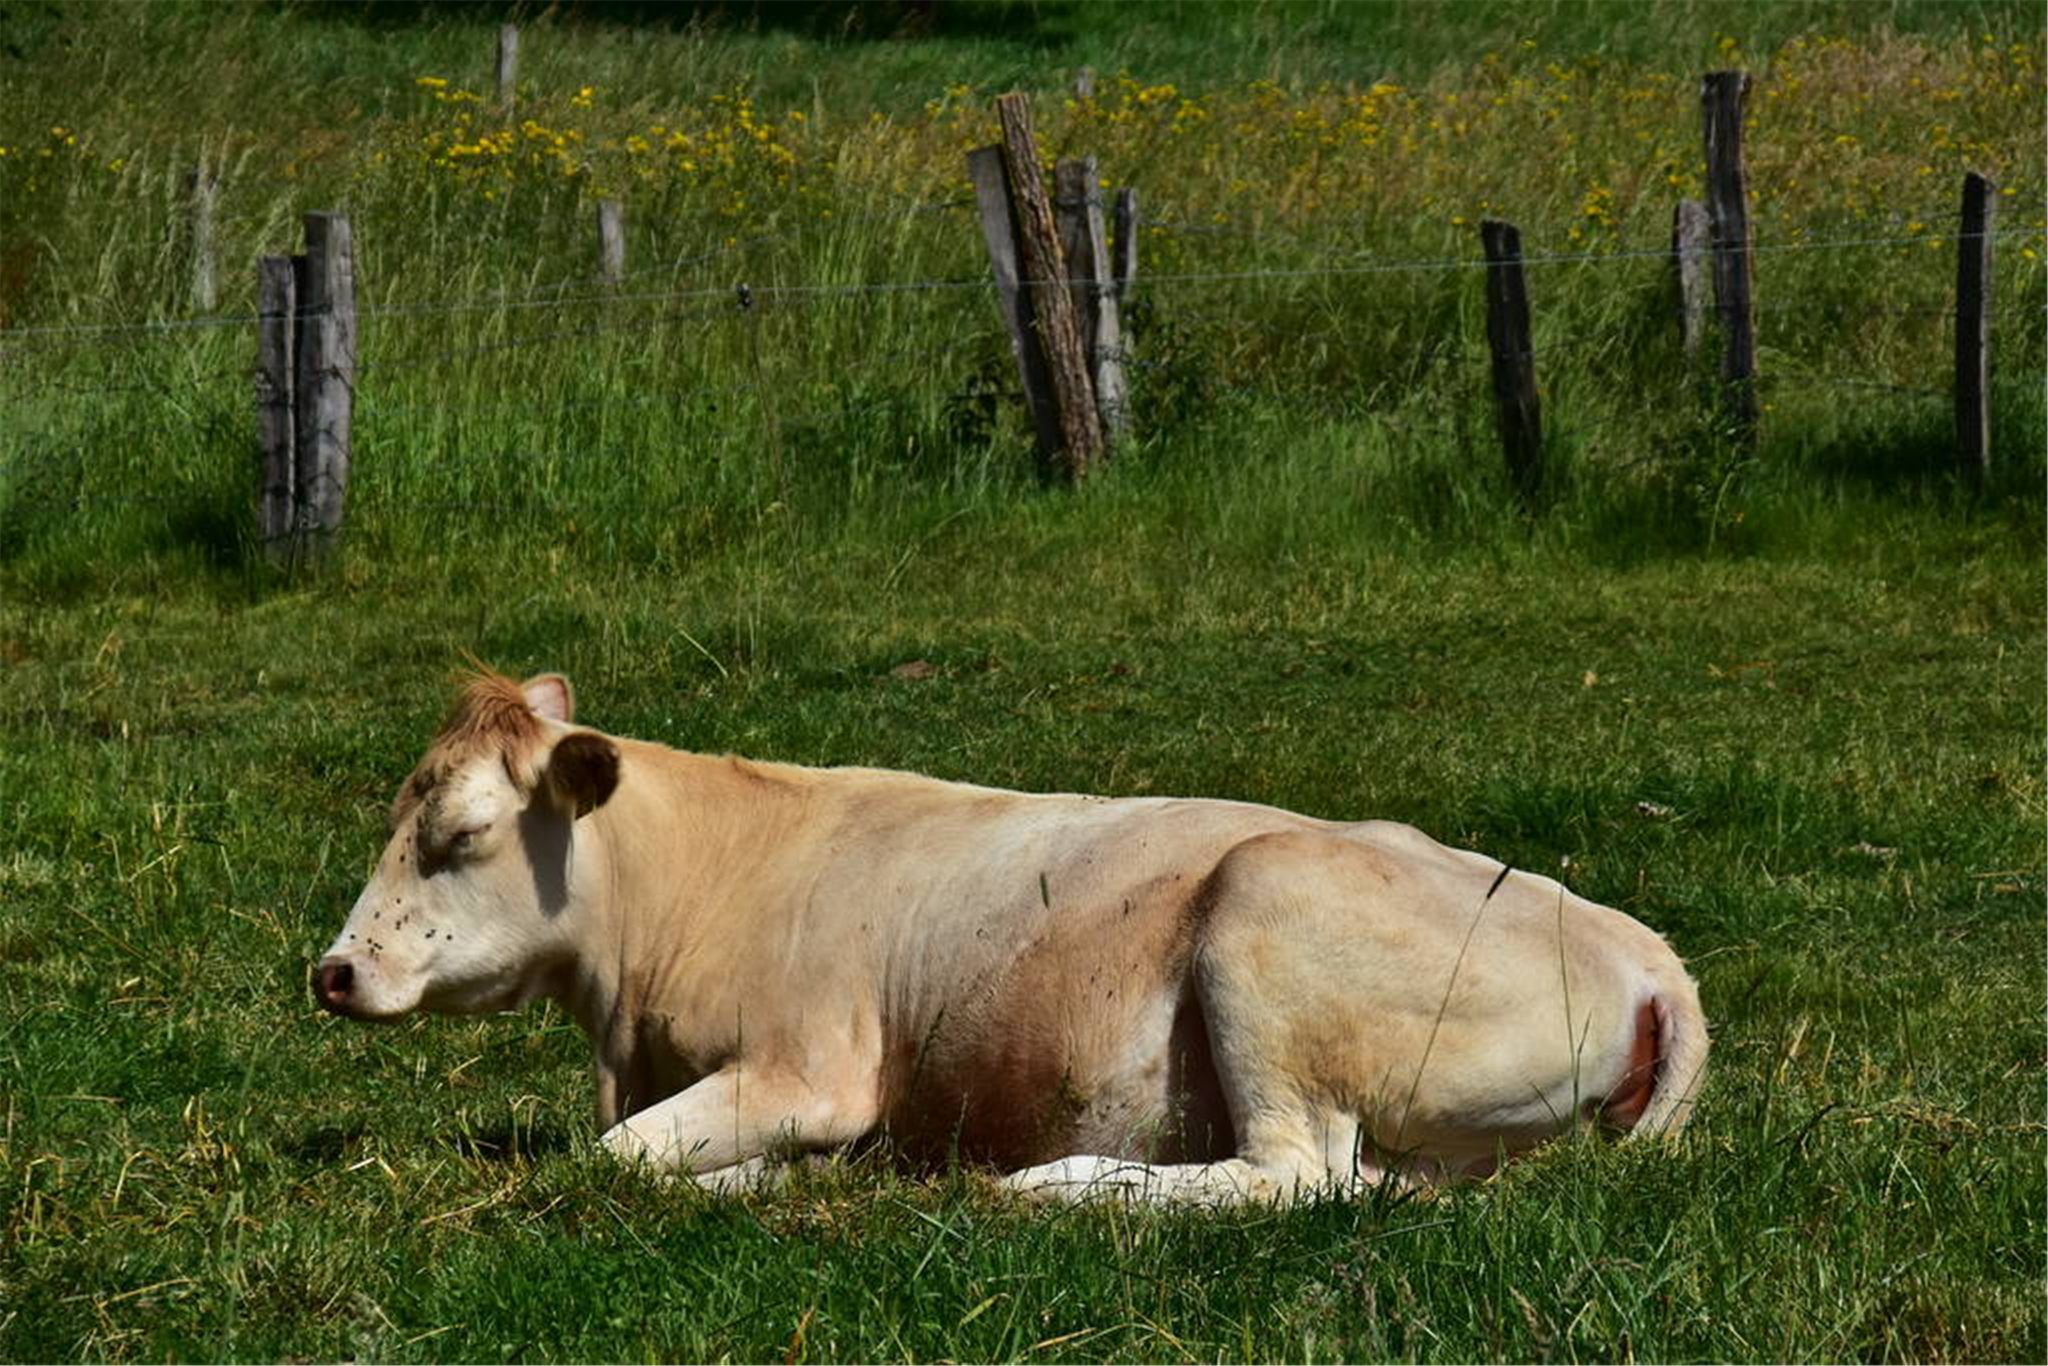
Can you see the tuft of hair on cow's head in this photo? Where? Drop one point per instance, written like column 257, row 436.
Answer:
column 492, row 711
column 515, row 723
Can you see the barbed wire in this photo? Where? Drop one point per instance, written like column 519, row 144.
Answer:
column 536, row 295
column 587, row 330
column 1786, row 379
column 151, row 385
column 744, row 301
column 168, row 325
column 34, row 477
column 609, row 296
column 370, row 406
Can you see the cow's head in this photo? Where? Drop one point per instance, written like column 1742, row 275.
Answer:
column 468, row 907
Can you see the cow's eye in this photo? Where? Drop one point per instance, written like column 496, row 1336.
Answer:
column 463, row 840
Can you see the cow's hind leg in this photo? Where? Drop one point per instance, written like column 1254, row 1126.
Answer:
column 1277, row 1019
column 1233, row 1181
column 1290, row 1149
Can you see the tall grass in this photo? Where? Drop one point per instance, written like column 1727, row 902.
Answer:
column 1279, row 211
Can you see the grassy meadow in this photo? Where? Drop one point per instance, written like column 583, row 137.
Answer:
column 1784, row 703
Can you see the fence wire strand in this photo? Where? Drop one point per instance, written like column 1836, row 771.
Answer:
column 49, row 466
column 610, row 296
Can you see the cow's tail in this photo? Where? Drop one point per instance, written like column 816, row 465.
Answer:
column 1667, row 1062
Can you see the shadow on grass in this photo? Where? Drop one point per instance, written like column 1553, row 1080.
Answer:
column 1042, row 24
column 219, row 534
column 509, row 1142
column 1913, row 458
column 1906, row 447
column 322, row 1145
column 326, row 1144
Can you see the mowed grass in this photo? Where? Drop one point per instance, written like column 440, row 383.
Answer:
column 1786, row 706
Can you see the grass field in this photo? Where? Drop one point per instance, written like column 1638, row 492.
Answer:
column 1786, row 706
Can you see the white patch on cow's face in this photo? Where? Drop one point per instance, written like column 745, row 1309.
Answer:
column 463, row 912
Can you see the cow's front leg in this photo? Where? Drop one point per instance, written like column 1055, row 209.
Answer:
column 739, row 1115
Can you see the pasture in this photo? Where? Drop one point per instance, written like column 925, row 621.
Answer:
column 1783, row 704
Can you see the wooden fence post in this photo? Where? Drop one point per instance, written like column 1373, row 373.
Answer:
column 1973, row 325
column 1689, row 238
column 324, row 378
column 1045, row 272
column 203, row 191
column 999, row 230
column 1514, row 364
column 277, row 473
column 508, row 65
column 1126, row 247
column 1085, row 243
column 1721, row 98
column 611, row 240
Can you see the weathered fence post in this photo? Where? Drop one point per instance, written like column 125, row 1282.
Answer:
column 277, row 473
column 1084, row 242
column 1126, row 247
column 203, row 191
column 323, row 379
column 508, row 65
column 999, row 230
column 1721, row 98
column 1973, row 325
column 1514, row 364
column 1689, row 238
column 1052, row 307
column 611, row 240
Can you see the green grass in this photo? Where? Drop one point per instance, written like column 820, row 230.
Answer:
column 1784, row 705
column 1840, row 754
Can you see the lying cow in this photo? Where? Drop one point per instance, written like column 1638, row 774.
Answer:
column 1167, row 999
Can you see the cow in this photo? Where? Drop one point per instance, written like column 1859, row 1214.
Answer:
column 1158, row 999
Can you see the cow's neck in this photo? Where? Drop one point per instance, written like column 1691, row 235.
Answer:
column 681, row 836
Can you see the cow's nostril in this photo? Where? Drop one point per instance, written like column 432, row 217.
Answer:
column 334, row 983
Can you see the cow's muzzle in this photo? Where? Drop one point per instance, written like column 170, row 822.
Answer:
column 334, row 985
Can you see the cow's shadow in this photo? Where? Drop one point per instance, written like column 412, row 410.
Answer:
column 508, row 1142
column 326, row 1144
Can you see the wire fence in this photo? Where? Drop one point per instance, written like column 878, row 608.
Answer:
column 690, row 389
column 597, row 293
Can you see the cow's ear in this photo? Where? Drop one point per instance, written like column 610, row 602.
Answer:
column 551, row 697
column 583, row 770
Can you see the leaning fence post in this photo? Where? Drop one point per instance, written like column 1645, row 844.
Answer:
column 1052, row 308
column 999, row 230
column 1721, row 98
column 324, row 378
column 1973, row 325
column 276, row 475
column 1084, row 241
column 1514, row 364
